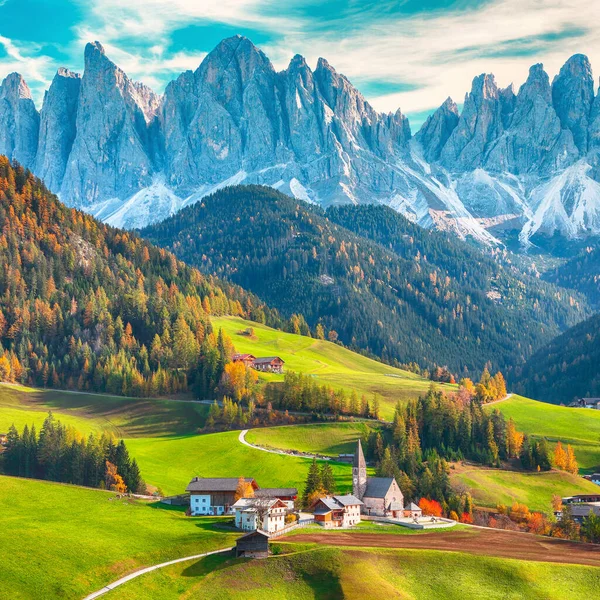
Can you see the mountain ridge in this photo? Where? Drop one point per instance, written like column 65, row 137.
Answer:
column 510, row 164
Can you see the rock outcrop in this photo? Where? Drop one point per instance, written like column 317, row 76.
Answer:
column 528, row 161
column 19, row 121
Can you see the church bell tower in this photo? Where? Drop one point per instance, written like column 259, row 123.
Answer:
column 359, row 473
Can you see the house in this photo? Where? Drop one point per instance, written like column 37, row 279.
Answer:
column 269, row 364
column 266, row 514
column 591, row 403
column 247, row 359
column 595, row 478
column 253, row 545
column 412, row 511
column 381, row 496
column 337, row 511
column 581, row 498
column 214, row 495
column 581, row 510
column 287, row 495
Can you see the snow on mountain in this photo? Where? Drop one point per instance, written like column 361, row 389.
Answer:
column 527, row 161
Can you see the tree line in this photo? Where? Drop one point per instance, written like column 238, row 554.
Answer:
column 60, row 453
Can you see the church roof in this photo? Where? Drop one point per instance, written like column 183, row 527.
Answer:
column 359, row 457
column 378, row 487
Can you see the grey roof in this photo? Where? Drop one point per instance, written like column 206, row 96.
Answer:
column 413, row 506
column 378, row 487
column 583, row 510
column 267, row 359
column 276, row 492
column 359, row 457
column 347, row 500
column 215, row 484
column 253, row 533
column 330, row 503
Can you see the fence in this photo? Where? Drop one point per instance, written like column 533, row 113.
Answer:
column 298, row 525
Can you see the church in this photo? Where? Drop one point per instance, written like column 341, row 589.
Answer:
column 381, row 496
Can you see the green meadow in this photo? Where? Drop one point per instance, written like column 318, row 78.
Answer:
column 62, row 541
column 490, row 487
column 306, row 572
column 328, row 439
column 579, row 427
column 125, row 417
column 327, row 362
column 170, row 463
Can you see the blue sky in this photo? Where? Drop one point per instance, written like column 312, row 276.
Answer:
column 410, row 54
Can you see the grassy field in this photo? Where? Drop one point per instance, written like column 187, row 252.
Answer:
column 171, row 462
column 64, row 542
column 490, row 487
column 579, row 427
column 98, row 412
column 327, row 362
column 331, row 573
column 329, row 439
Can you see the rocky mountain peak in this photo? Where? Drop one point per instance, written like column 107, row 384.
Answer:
column 19, row 121
column 436, row 130
column 572, row 96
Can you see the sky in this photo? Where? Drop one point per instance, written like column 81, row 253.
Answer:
column 407, row 54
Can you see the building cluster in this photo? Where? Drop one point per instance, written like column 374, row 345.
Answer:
column 267, row 364
column 581, row 506
column 586, row 403
column 257, row 508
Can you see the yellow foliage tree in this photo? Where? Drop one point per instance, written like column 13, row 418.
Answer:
column 571, row 462
column 244, row 489
column 560, row 457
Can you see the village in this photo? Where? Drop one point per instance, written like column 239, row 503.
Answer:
column 265, row 513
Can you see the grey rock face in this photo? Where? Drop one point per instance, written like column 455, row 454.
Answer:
column 572, row 96
column 479, row 125
column 57, row 127
column 436, row 130
column 112, row 146
column 112, row 150
column 19, row 121
column 534, row 141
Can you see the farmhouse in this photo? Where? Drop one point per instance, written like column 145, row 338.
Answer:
column 381, row 496
column 266, row 514
column 253, row 545
column 581, row 498
column 337, row 511
column 269, row 364
column 214, row 495
column 591, row 403
column 287, row 495
column 247, row 359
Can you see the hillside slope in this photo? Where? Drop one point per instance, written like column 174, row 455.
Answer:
column 391, row 288
column 86, row 306
column 566, row 368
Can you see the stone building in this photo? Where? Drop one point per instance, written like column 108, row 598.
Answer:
column 381, row 496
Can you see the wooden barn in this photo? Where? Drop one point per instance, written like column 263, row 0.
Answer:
column 269, row 364
column 253, row 545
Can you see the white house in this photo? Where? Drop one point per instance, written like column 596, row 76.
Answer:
column 214, row 495
column 248, row 512
column 337, row 511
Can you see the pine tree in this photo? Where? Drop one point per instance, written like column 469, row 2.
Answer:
column 313, row 481
column 327, row 479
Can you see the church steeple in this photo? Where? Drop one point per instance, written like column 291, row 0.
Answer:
column 359, row 473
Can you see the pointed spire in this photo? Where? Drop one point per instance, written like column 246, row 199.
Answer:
column 359, row 457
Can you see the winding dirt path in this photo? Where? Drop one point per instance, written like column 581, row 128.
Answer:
column 115, row 584
column 243, row 440
column 503, row 544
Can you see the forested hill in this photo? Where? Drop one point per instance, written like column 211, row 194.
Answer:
column 567, row 368
column 581, row 273
column 406, row 294
column 86, row 306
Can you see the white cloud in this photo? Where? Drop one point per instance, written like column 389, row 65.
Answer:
column 429, row 50
column 27, row 61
